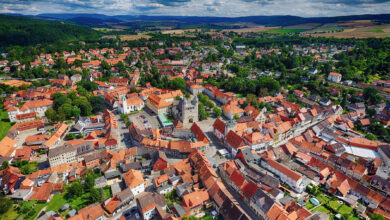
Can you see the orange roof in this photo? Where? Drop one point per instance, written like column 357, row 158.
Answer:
column 36, row 104
column 194, row 199
column 232, row 108
column 160, row 179
column 133, row 178
column 38, row 137
column 7, row 146
column 285, row 170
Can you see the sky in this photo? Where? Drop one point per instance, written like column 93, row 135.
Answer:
column 224, row 8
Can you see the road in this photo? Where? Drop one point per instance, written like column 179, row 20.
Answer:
column 384, row 94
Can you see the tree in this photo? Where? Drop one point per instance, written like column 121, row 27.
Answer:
column 371, row 137
column 217, row 111
column 76, row 112
column 5, row 204
column 5, row 164
column 89, row 182
column 178, row 83
column 51, row 114
column 97, row 104
column 236, row 116
column 202, row 112
column 376, row 216
column 96, row 195
column 75, row 190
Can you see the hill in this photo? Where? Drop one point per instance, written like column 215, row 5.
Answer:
column 277, row 20
column 24, row 31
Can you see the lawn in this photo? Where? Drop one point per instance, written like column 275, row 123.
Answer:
column 344, row 209
column 56, row 202
column 37, row 209
column 106, row 192
column 323, row 198
column 321, row 209
column 334, row 204
column 5, row 124
column 309, row 205
column 11, row 214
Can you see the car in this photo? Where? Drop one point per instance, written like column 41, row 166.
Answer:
column 146, row 121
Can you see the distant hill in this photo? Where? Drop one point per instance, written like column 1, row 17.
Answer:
column 278, row 20
column 21, row 30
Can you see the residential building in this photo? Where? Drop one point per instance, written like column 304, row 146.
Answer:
column 62, row 155
column 134, row 180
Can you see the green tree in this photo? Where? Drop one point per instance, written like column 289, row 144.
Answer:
column 236, row 117
column 89, row 182
column 75, row 111
column 371, row 137
column 178, row 83
column 96, row 195
column 75, row 190
column 202, row 112
column 376, row 216
column 5, row 204
column 5, row 164
column 217, row 111
column 51, row 114
column 97, row 104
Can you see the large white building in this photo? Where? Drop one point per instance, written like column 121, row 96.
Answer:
column 61, row 155
column 133, row 103
column 286, row 175
column 38, row 107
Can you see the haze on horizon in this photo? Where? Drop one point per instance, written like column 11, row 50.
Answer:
column 225, row 8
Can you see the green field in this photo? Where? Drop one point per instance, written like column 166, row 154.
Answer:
column 5, row 124
column 285, row 31
column 377, row 31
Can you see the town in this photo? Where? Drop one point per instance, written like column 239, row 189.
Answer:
column 221, row 126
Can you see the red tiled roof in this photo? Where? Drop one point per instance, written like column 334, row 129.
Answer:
column 285, row 170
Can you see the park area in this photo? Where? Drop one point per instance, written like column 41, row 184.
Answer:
column 5, row 124
column 330, row 206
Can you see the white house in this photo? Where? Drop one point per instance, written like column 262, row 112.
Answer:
column 131, row 104
column 334, row 77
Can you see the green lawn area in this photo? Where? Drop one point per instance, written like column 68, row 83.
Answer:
column 334, row 204
column 285, row 31
column 321, row 209
column 323, row 198
column 37, row 209
column 309, row 205
column 106, row 192
column 11, row 214
column 376, row 31
column 344, row 209
column 56, row 202
column 5, row 124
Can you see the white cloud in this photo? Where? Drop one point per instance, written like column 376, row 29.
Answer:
column 226, row 8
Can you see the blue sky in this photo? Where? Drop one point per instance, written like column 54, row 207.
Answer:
column 228, row 8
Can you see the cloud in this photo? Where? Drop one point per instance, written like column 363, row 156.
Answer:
column 171, row 3
column 226, row 8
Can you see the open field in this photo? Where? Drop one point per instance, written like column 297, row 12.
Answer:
column 257, row 28
column 130, row 37
column 376, row 31
column 285, row 31
column 179, row 31
column 307, row 26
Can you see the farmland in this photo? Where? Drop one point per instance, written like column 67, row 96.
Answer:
column 129, row 37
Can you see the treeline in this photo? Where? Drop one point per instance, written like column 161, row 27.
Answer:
column 17, row 30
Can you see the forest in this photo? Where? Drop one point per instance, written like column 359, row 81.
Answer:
column 24, row 31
